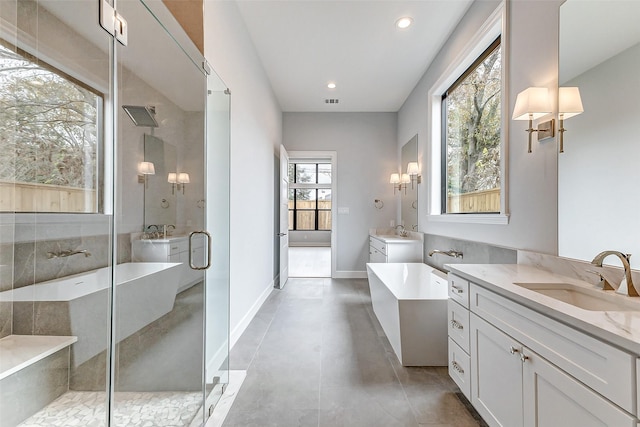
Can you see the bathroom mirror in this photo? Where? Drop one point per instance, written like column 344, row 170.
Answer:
column 160, row 196
column 598, row 204
column 409, row 198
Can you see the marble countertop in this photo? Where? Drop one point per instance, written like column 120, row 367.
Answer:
column 392, row 238
column 620, row 328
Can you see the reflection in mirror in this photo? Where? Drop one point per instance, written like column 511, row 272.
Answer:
column 409, row 199
column 597, row 173
column 160, row 194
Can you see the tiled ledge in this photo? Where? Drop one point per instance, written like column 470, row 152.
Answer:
column 19, row 351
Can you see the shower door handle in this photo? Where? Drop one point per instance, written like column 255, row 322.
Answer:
column 208, row 237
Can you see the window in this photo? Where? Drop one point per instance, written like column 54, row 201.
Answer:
column 309, row 196
column 471, row 137
column 49, row 137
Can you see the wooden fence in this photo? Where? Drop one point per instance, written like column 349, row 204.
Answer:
column 27, row 197
column 477, row 201
column 306, row 219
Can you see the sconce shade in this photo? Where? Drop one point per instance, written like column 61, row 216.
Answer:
column 413, row 169
column 569, row 102
column 395, row 178
column 146, row 168
column 183, row 178
column 405, row 179
column 532, row 103
column 172, row 178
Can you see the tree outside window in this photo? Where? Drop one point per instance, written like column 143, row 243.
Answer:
column 471, row 138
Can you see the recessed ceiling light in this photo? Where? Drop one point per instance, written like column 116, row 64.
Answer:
column 331, row 85
column 404, row 22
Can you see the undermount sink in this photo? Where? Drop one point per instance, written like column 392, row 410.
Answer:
column 583, row 297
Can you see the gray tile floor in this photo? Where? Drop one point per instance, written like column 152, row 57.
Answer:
column 316, row 355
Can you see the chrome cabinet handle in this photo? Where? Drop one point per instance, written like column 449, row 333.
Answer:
column 456, row 325
column 281, row 234
column 523, row 358
column 191, row 250
column 457, row 367
column 513, row 350
column 456, row 289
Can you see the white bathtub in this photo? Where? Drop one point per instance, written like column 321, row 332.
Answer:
column 78, row 305
column 410, row 302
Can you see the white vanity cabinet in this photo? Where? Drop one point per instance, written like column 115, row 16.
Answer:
column 527, row 369
column 173, row 249
column 383, row 249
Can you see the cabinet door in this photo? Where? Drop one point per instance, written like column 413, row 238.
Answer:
column 376, row 256
column 553, row 398
column 496, row 375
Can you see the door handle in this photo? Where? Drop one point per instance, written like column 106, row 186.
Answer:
column 281, row 234
column 191, row 264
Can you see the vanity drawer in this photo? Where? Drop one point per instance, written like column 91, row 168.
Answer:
column 459, row 290
column 378, row 245
column 458, row 321
column 459, row 371
column 179, row 246
column 604, row 368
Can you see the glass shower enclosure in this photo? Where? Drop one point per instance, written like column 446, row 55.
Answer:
column 114, row 218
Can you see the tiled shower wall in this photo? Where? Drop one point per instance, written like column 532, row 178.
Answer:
column 473, row 252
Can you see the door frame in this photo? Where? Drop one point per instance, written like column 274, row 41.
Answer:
column 333, row 156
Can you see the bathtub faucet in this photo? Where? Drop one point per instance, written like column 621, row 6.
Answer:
column 64, row 254
column 451, row 253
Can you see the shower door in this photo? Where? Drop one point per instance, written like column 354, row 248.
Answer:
column 158, row 341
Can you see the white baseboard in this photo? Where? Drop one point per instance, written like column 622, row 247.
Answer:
column 248, row 317
column 342, row 274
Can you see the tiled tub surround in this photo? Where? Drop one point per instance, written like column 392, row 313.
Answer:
column 25, row 262
column 77, row 305
column 473, row 252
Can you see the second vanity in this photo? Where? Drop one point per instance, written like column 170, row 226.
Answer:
column 173, row 249
column 385, row 246
column 532, row 348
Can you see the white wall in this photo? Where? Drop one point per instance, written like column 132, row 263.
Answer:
column 532, row 191
column 256, row 134
column 366, row 155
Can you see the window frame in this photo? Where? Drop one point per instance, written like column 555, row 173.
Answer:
column 315, row 186
column 495, row 26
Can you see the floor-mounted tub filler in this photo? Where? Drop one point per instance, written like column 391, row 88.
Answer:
column 410, row 302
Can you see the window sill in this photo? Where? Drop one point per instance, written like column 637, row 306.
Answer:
column 495, row 219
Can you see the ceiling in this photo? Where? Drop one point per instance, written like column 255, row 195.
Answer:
column 305, row 44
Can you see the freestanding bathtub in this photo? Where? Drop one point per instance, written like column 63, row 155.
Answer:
column 410, row 302
column 78, row 305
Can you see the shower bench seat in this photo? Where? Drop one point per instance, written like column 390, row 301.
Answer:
column 32, row 365
column 20, row 351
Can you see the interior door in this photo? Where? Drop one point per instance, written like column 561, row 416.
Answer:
column 284, row 216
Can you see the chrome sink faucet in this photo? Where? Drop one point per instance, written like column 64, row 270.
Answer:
column 630, row 288
column 403, row 232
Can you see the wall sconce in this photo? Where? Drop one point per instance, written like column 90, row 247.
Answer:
column 569, row 105
column 172, row 179
column 145, row 169
column 413, row 170
column 399, row 181
column 183, row 178
column 531, row 104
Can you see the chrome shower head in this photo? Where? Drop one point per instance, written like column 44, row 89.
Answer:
column 141, row 116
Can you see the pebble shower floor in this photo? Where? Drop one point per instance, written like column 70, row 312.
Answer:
column 132, row 409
